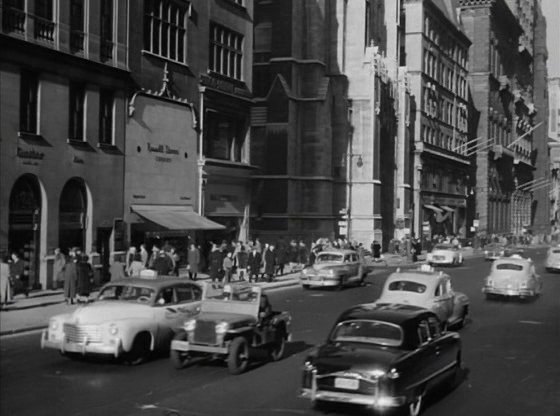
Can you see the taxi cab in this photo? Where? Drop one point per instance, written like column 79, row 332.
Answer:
column 552, row 263
column 512, row 276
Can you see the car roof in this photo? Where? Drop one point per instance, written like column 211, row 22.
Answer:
column 156, row 284
column 337, row 251
column 398, row 314
column 426, row 277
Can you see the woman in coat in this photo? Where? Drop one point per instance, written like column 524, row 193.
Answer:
column 193, row 259
column 58, row 267
column 84, row 274
column 270, row 262
column 70, row 273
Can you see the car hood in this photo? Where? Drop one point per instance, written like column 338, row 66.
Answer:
column 327, row 266
column 234, row 319
column 100, row 312
column 343, row 356
column 441, row 253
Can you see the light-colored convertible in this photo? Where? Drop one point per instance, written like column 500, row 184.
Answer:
column 129, row 319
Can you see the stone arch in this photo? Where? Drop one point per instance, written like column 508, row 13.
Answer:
column 74, row 213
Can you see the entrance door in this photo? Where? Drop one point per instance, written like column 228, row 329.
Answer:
column 25, row 225
column 72, row 215
column 104, row 250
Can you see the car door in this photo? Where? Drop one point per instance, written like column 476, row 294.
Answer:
column 443, row 300
column 355, row 266
column 443, row 347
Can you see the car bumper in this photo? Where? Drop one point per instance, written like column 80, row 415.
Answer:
column 63, row 345
column 376, row 401
column 187, row 346
column 444, row 261
column 555, row 267
column 507, row 291
column 320, row 282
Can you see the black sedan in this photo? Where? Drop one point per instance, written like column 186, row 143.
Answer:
column 382, row 356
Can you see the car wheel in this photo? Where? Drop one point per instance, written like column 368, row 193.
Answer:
column 180, row 359
column 139, row 351
column 340, row 285
column 279, row 346
column 305, row 287
column 415, row 405
column 238, row 357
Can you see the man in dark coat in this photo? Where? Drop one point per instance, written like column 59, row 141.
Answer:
column 281, row 258
column 70, row 274
column 84, row 274
column 163, row 264
column 254, row 264
column 270, row 262
column 215, row 259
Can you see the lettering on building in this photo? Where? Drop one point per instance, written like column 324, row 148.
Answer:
column 29, row 154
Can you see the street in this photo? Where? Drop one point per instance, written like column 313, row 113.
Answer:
column 511, row 351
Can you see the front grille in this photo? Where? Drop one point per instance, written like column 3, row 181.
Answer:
column 82, row 333
column 205, row 333
column 365, row 387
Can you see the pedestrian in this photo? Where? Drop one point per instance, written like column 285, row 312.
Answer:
column 19, row 280
column 175, row 259
column 5, row 286
column 70, row 274
column 215, row 260
column 136, row 266
column 242, row 260
column 227, row 266
column 129, row 258
column 117, row 268
column 153, row 257
column 144, row 255
column 84, row 278
column 281, row 257
column 376, row 250
column 254, row 263
column 269, row 262
column 193, row 259
column 58, row 266
column 303, row 255
column 163, row 264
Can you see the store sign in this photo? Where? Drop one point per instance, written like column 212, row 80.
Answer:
column 224, row 86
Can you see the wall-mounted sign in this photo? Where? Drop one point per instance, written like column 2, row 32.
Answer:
column 162, row 148
column 30, row 154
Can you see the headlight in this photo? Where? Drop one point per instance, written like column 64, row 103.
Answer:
column 222, row 328
column 190, row 325
column 330, row 272
column 393, row 374
column 485, row 252
column 489, row 282
column 376, row 373
column 308, row 366
column 501, row 253
column 113, row 330
column 53, row 325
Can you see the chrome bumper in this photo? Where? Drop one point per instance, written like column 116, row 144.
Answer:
column 63, row 345
column 323, row 282
column 507, row 292
column 376, row 401
column 187, row 346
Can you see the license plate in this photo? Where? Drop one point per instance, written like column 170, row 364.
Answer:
column 346, row 383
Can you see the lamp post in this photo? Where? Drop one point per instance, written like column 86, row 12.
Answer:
column 348, row 161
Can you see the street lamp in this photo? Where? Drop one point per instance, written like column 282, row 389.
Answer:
column 347, row 157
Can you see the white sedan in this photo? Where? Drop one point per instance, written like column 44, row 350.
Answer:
column 129, row 319
column 445, row 254
column 552, row 263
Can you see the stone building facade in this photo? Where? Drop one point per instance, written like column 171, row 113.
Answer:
column 63, row 89
column 501, row 83
column 437, row 61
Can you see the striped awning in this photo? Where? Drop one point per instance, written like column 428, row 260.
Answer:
column 446, row 208
column 433, row 208
column 175, row 217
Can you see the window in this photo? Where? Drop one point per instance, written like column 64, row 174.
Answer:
column 226, row 53
column 106, row 100
column 423, row 332
column 165, row 28
column 224, row 137
column 76, row 112
column 76, row 25
column 106, row 23
column 44, row 25
column 28, row 103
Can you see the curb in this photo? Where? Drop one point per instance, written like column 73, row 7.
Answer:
column 22, row 330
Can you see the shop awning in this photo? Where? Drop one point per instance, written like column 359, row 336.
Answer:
column 175, row 217
column 446, row 208
column 433, row 208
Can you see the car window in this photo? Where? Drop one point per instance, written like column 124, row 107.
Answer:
column 354, row 257
column 368, row 331
column 441, row 289
column 509, row 266
column 127, row 293
column 166, row 296
column 184, row 294
column 435, row 327
column 328, row 258
column 197, row 293
column 407, row 286
column 556, row 251
column 423, row 332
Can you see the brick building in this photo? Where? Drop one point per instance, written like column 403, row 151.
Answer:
column 63, row 86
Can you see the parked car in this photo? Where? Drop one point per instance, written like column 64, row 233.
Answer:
column 233, row 323
column 427, row 288
column 445, row 254
column 382, row 356
column 130, row 318
column 552, row 262
column 513, row 276
column 334, row 268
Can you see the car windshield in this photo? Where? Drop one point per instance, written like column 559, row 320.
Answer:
column 367, row 331
column 443, row 247
column 127, row 293
column 509, row 266
column 329, row 258
column 240, row 293
column 407, row 286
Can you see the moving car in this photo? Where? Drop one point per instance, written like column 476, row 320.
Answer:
column 513, row 276
column 427, row 288
column 232, row 324
column 334, row 268
column 494, row 251
column 445, row 254
column 552, row 262
column 382, row 356
column 130, row 318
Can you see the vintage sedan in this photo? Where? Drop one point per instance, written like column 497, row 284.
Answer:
column 552, row 262
column 445, row 254
column 494, row 251
column 233, row 324
column 513, row 276
column 382, row 356
column 129, row 319
column 427, row 288
column 334, row 268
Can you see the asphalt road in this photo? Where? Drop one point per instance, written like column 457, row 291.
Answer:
column 511, row 352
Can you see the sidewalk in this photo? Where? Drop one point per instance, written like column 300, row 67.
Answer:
column 33, row 313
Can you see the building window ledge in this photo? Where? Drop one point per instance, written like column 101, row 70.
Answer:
column 164, row 58
column 25, row 135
